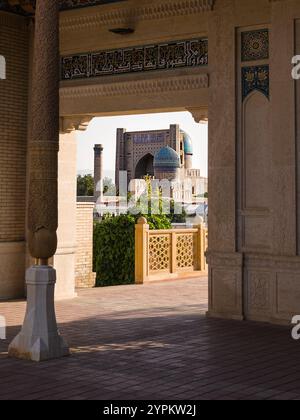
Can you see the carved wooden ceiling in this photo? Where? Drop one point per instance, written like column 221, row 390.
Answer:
column 27, row 6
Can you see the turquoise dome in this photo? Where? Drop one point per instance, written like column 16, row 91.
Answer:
column 166, row 158
column 188, row 144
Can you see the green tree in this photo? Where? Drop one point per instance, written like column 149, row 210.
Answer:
column 85, row 186
column 114, row 247
column 109, row 188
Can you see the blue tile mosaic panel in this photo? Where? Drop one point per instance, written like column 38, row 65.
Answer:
column 148, row 138
column 255, row 45
column 255, row 78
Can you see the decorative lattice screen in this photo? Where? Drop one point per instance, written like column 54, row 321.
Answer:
column 159, row 252
column 186, row 248
column 168, row 254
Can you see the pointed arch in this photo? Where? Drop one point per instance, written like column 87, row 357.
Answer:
column 144, row 166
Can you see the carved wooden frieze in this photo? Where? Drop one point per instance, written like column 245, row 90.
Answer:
column 166, row 56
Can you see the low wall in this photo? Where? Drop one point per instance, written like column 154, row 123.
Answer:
column 84, row 276
column 167, row 254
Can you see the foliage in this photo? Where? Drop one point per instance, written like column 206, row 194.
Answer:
column 85, row 186
column 156, row 221
column 165, row 207
column 114, row 237
column 114, row 250
column 114, row 247
column 177, row 218
column 109, row 188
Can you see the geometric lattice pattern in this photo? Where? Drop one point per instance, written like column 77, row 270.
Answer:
column 159, row 252
column 255, row 45
column 185, row 250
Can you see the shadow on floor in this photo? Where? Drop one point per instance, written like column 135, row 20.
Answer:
column 160, row 354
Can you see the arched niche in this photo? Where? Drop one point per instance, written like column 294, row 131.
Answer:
column 256, row 151
column 144, row 167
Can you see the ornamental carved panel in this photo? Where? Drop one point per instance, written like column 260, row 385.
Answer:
column 167, row 56
column 186, row 250
column 255, row 45
column 259, row 291
column 159, row 253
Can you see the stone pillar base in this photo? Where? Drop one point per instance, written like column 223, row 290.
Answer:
column 39, row 338
column 225, row 285
column 224, row 316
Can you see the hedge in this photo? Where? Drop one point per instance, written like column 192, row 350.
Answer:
column 114, row 251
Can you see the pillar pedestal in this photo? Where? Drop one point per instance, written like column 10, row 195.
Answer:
column 39, row 339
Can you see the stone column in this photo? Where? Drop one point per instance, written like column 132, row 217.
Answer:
column 98, row 171
column 39, row 339
column 225, row 263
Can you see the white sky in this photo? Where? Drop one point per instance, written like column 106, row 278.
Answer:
column 103, row 131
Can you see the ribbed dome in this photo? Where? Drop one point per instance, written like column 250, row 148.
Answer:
column 188, row 144
column 166, row 158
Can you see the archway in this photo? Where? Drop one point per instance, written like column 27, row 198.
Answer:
column 141, row 162
column 176, row 90
column 144, row 167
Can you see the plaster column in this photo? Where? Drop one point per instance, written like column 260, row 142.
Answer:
column 39, row 339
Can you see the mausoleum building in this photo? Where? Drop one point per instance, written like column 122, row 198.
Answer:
column 162, row 155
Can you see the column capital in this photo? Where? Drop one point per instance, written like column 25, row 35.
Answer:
column 74, row 123
column 200, row 114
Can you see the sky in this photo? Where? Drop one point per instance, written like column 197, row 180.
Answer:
column 103, row 131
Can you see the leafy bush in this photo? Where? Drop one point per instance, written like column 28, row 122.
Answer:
column 114, row 251
column 163, row 206
column 85, row 185
column 156, row 221
column 177, row 218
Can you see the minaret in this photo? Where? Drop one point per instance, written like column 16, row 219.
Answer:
column 121, row 164
column 98, row 171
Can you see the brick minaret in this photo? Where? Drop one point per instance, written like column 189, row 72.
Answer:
column 121, row 164
column 98, row 170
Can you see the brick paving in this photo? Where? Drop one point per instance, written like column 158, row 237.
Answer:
column 153, row 342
